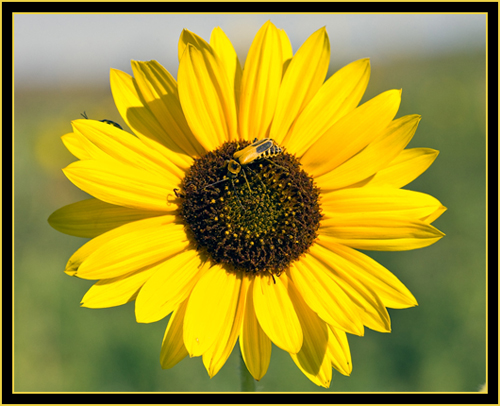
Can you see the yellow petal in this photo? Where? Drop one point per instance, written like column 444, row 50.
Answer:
column 286, row 50
column 324, row 296
column 139, row 117
column 212, row 303
column 406, row 167
column 338, row 351
column 170, row 285
column 260, row 83
column 90, row 247
column 118, row 145
column 172, row 347
column 382, row 199
column 433, row 216
column 254, row 343
column 312, row 359
column 122, row 185
column 304, row 76
column 369, row 272
column 216, row 356
column 189, row 37
column 351, row 133
column 374, row 157
column 92, row 217
column 379, row 231
column 206, row 97
column 74, row 145
column 339, row 95
column 134, row 250
column 276, row 314
column 116, row 291
column 222, row 46
column 371, row 310
column 159, row 91
column 82, row 147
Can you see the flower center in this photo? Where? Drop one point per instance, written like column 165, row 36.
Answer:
column 258, row 216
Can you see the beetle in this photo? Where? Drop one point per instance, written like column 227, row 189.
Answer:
column 256, row 151
column 84, row 115
column 259, row 149
column 177, row 195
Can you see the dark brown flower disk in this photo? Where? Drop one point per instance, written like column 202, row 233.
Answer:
column 260, row 221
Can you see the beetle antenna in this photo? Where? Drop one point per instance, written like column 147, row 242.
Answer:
column 211, row 184
column 274, row 163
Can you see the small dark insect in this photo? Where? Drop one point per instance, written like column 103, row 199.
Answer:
column 178, row 194
column 84, row 115
column 170, row 198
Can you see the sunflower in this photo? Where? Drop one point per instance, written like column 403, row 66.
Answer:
column 239, row 203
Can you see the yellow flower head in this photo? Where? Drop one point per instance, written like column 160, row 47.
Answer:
column 240, row 200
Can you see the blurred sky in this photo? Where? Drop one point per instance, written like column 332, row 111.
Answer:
column 79, row 49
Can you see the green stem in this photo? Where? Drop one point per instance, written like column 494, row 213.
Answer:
column 247, row 381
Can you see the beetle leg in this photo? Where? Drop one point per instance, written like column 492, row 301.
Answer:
column 236, row 194
column 246, row 180
column 256, row 174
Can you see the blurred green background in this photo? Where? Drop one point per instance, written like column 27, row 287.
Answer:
column 438, row 346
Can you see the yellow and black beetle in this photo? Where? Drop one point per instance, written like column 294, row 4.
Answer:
column 256, row 151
